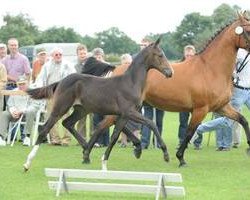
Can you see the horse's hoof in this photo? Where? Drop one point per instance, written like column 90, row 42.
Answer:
column 137, row 153
column 248, row 151
column 166, row 157
column 86, row 161
column 182, row 164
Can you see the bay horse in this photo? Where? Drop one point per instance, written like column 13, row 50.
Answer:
column 200, row 85
column 120, row 96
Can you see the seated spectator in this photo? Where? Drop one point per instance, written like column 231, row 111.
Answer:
column 18, row 105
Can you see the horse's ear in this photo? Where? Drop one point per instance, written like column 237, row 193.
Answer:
column 242, row 16
column 158, row 41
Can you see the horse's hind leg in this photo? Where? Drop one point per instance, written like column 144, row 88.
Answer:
column 136, row 116
column 69, row 123
column 105, row 123
column 120, row 123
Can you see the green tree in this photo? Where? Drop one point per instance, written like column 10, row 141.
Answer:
column 59, row 34
column 115, row 41
column 191, row 25
column 20, row 27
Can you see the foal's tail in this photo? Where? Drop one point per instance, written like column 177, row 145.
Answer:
column 43, row 92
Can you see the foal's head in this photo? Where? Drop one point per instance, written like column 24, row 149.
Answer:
column 242, row 31
column 154, row 57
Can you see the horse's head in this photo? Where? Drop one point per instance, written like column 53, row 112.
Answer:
column 242, row 31
column 155, row 58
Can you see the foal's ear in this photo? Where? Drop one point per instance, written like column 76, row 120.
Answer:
column 158, row 41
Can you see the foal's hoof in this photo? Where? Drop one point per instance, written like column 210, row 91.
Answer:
column 166, row 157
column 248, row 151
column 182, row 164
column 137, row 152
column 86, row 161
column 25, row 168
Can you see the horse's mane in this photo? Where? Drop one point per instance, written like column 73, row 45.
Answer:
column 215, row 35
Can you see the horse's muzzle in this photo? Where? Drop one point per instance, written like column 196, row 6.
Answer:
column 168, row 72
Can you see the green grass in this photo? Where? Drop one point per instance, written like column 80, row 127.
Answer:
column 210, row 175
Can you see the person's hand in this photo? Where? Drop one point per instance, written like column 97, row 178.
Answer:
column 16, row 114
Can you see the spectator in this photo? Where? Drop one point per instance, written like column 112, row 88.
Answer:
column 126, row 60
column 241, row 96
column 3, row 80
column 3, row 51
column 52, row 71
column 82, row 55
column 18, row 105
column 97, row 66
column 149, row 111
column 16, row 65
column 189, row 51
column 41, row 58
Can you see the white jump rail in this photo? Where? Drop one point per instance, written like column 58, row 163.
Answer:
column 159, row 180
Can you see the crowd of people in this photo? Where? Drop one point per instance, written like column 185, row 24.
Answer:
column 16, row 73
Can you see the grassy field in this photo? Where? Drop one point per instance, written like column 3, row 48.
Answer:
column 210, row 175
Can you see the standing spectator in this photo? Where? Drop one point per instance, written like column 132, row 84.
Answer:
column 19, row 105
column 41, row 58
column 3, row 51
column 82, row 55
column 16, row 65
column 149, row 111
column 126, row 60
column 189, row 51
column 241, row 96
column 103, row 140
column 3, row 80
column 52, row 71
column 97, row 66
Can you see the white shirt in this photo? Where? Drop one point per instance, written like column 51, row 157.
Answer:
column 52, row 72
column 244, row 75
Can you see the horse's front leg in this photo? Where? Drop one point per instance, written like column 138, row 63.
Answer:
column 105, row 123
column 196, row 118
column 136, row 116
column 120, row 123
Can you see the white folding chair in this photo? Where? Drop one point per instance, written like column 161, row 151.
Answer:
column 12, row 126
column 40, row 120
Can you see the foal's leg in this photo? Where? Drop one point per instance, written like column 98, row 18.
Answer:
column 120, row 123
column 136, row 142
column 138, row 117
column 105, row 123
column 57, row 112
column 69, row 123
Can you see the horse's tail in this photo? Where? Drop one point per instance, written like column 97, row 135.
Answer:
column 43, row 92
